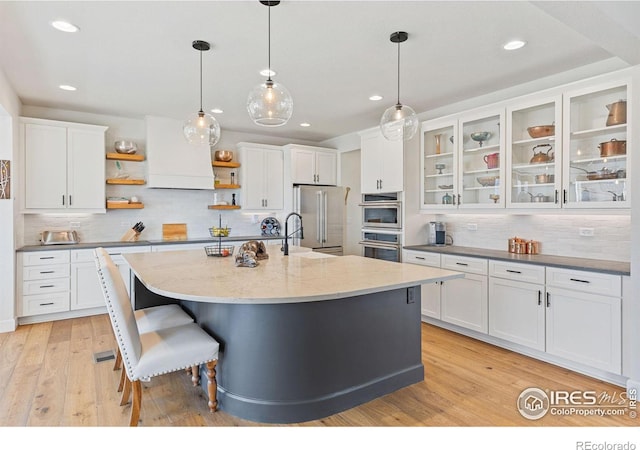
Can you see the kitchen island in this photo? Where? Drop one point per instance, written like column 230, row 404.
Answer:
column 302, row 336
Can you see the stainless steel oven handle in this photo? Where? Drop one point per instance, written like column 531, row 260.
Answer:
column 374, row 204
column 379, row 245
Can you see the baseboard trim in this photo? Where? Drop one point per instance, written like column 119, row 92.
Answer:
column 8, row 326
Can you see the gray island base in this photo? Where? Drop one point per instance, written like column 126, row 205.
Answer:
column 288, row 359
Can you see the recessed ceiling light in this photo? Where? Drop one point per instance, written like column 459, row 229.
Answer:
column 267, row 73
column 305, row 124
column 66, row 87
column 514, row 45
column 375, row 98
column 217, row 111
column 67, row 27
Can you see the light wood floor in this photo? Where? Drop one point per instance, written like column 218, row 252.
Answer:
column 48, row 378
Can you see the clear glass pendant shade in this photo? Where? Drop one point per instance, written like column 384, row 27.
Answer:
column 270, row 104
column 201, row 128
column 399, row 122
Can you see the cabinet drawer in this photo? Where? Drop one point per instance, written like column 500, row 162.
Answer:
column 45, row 286
column 517, row 271
column 45, row 303
column 45, row 272
column 46, row 257
column 581, row 280
column 422, row 258
column 465, row 264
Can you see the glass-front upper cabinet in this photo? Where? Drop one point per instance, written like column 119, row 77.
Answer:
column 596, row 171
column 439, row 162
column 534, row 154
column 481, row 159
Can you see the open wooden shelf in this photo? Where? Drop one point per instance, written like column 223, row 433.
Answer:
column 230, row 164
column 223, row 207
column 125, row 157
column 115, row 205
column 124, row 181
column 227, row 186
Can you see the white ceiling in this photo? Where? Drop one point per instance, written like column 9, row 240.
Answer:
column 135, row 58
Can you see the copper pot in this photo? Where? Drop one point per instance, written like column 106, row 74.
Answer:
column 612, row 148
column 617, row 113
column 542, row 157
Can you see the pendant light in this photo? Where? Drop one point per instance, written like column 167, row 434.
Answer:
column 201, row 128
column 399, row 121
column 269, row 104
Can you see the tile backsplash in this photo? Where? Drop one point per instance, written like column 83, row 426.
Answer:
column 558, row 234
column 161, row 206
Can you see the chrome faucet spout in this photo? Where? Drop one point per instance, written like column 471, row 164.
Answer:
column 285, row 246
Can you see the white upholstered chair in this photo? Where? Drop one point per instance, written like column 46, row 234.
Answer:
column 156, row 352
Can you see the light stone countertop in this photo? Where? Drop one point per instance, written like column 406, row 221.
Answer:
column 303, row 276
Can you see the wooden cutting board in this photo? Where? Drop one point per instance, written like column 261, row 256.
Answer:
column 174, row 231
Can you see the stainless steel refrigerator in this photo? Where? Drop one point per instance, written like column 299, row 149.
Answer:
column 323, row 211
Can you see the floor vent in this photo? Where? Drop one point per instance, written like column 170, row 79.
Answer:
column 103, row 356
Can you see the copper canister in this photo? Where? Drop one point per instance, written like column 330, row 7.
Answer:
column 533, row 247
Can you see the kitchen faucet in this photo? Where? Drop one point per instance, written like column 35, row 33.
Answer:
column 285, row 246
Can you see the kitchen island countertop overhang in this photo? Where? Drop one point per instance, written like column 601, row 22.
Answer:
column 301, row 336
column 302, row 276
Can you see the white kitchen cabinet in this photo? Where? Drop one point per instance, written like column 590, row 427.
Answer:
column 263, row 177
column 430, row 292
column 70, row 157
column 311, row 165
column 464, row 301
column 43, row 284
column 382, row 163
column 459, row 172
column 86, row 291
column 534, row 170
column 516, row 303
column 585, row 117
column 584, row 322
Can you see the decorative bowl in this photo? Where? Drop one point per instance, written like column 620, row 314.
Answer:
column 219, row 232
column 488, row 181
column 480, row 136
column 127, row 147
column 541, row 131
column 223, row 155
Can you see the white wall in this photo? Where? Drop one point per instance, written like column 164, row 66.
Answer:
column 9, row 111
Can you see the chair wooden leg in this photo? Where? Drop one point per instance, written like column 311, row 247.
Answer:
column 123, row 377
column 135, row 406
column 212, row 385
column 126, row 392
column 195, row 375
column 118, row 362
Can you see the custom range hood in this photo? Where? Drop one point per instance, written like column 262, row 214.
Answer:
column 171, row 161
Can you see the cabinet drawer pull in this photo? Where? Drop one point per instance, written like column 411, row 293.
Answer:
column 579, row 281
column 47, row 271
column 47, row 286
column 420, row 257
column 46, row 257
column 513, row 271
column 462, row 264
column 539, row 297
column 46, row 304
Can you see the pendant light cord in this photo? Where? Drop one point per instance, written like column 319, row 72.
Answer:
column 201, row 82
column 398, row 73
column 269, row 43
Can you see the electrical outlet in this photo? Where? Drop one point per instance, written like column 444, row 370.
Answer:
column 585, row 231
column 74, row 224
column 472, row 226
